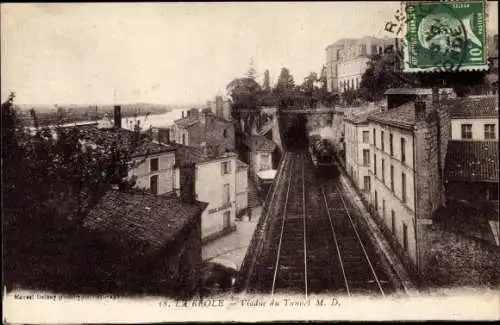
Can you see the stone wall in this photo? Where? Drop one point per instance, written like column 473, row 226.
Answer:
column 431, row 141
column 215, row 134
column 176, row 270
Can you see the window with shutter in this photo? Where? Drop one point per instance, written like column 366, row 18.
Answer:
column 226, row 167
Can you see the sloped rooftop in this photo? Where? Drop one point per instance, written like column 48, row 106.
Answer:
column 186, row 122
column 240, row 164
column 124, row 139
column 260, row 143
column 402, row 116
column 141, row 222
column 472, row 161
column 188, row 154
column 190, row 121
column 473, row 107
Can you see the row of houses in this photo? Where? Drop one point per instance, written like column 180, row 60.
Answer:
column 412, row 159
column 190, row 188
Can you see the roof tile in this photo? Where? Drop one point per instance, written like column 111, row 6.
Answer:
column 403, row 116
column 186, row 122
column 124, row 139
column 472, row 161
column 144, row 221
column 473, row 107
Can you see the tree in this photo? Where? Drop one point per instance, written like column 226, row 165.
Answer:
column 251, row 71
column 350, row 96
column 309, row 90
column 266, row 87
column 322, row 94
column 244, row 94
column 385, row 71
column 285, row 91
column 51, row 179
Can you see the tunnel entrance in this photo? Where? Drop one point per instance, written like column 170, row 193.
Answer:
column 295, row 134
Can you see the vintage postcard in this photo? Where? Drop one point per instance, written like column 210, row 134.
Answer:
column 250, row 161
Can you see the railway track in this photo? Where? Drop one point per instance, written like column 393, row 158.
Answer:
column 360, row 274
column 311, row 243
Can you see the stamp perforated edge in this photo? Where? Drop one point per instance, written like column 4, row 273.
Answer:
column 408, row 69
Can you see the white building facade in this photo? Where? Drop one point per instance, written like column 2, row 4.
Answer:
column 393, row 181
column 474, row 128
column 346, row 61
column 474, row 118
column 241, row 188
column 219, row 181
column 154, row 172
column 216, row 184
column 358, row 152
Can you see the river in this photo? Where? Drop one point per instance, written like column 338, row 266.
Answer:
column 154, row 120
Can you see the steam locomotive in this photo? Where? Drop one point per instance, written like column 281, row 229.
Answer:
column 322, row 152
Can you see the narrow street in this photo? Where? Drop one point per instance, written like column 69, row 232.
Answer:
column 230, row 250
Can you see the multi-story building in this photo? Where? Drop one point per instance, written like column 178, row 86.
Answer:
column 151, row 163
column 471, row 170
column 474, row 118
column 358, row 139
column 241, row 188
column 199, row 129
column 408, row 148
column 346, row 61
column 216, row 179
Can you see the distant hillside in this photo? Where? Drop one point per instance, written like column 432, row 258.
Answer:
column 48, row 115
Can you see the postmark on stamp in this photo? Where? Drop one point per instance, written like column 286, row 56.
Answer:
column 445, row 36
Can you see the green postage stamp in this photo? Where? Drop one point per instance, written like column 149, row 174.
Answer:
column 445, row 36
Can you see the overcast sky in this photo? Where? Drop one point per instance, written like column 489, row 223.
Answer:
column 170, row 53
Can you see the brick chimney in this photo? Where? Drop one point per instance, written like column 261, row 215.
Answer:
column 435, row 98
column 164, row 135
column 187, row 180
column 420, row 110
column 118, row 117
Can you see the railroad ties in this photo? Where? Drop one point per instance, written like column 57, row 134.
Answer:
column 312, row 243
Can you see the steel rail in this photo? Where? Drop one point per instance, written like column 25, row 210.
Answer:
column 281, row 235
column 305, row 217
column 362, row 245
column 336, row 242
column 266, row 217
